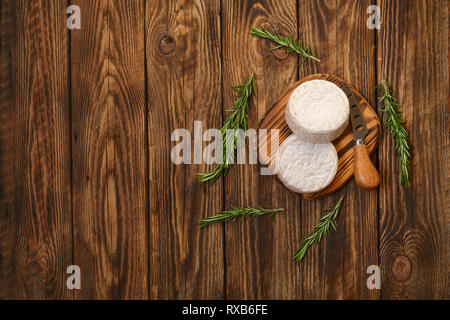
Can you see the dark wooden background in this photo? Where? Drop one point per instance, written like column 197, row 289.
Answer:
column 85, row 170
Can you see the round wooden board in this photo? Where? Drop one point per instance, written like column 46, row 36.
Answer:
column 275, row 119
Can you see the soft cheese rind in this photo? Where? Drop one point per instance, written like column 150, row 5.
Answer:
column 306, row 167
column 317, row 111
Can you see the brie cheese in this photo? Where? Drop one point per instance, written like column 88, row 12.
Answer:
column 317, row 111
column 306, row 167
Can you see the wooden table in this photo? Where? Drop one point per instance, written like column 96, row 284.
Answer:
column 86, row 176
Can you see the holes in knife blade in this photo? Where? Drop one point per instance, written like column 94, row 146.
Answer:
column 359, row 128
column 356, row 116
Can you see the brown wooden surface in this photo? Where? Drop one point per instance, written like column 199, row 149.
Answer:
column 109, row 159
column 36, row 215
column 275, row 119
column 86, row 176
column 183, row 63
column 413, row 224
column 253, row 254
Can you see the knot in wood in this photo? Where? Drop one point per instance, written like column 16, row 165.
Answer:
column 34, row 268
column 401, row 268
column 280, row 53
column 167, row 44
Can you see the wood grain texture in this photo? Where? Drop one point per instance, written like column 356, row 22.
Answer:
column 275, row 119
column 35, row 205
column 337, row 269
column 86, row 176
column 184, row 85
column 109, row 150
column 8, row 165
column 258, row 252
column 412, row 55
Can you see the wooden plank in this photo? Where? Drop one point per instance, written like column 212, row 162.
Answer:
column 109, row 150
column 412, row 55
column 35, row 205
column 9, row 199
column 184, row 85
column 258, row 252
column 337, row 269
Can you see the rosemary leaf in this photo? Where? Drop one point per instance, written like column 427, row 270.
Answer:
column 291, row 45
column 237, row 119
column 329, row 219
column 238, row 212
column 393, row 120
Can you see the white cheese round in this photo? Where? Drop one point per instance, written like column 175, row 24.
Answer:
column 317, row 111
column 306, row 167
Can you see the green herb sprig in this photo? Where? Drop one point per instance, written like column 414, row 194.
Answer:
column 235, row 121
column 393, row 120
column 238, row 212
column 319, row 230
column 290, row 44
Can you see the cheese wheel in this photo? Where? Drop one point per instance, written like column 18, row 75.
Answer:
column 306, row 167
column 317, row 111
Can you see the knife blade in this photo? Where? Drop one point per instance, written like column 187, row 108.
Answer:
column 359, row 127
column 366, row 175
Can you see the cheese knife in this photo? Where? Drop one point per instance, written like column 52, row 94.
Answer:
column 366, row 175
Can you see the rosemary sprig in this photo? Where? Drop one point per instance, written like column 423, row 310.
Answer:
column 236, row 120
column 290, row 44
column 238, row 212
column 393, row 120
column 319, row 230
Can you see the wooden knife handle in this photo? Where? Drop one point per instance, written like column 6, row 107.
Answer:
column 366, row 175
